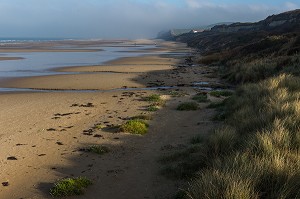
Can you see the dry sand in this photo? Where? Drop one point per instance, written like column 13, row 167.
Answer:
column 44, row 131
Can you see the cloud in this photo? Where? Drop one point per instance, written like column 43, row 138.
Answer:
column 122, row 18
column 196, row 4
column 291, row 5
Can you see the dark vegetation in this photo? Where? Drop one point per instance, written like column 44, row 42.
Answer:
column 201, row 97
column 98, row 149
column 255, row 154
column 188, row 106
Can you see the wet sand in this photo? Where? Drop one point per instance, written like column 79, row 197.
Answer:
column 10, row 58
column 41, row 133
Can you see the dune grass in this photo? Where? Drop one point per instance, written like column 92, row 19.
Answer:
column 70, row 187
column 256, row 153
column 135, row 126
column 152, row 108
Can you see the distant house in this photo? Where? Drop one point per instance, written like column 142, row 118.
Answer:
column 196, row 31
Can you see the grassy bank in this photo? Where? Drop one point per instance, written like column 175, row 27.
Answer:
column 256, row 153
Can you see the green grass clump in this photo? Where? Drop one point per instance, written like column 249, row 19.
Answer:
column 152, row 108
column 135, row 126
column 220, row 93
column 152, row 98
column 98, row 149
column 188, row 106
column 155, row 100
column 201, row 97
column 177, row 94
column 70, row 187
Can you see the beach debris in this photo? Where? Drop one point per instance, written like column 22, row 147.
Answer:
column 88, row 132
column 98, row 136
column 5, row 184
column 20, row 144
column 12, row 158
column 51, row 129
column 59, row 143
column 42, row 154
column 87, row 105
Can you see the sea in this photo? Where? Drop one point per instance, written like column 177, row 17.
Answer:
column 6, row 40
column 44, row 63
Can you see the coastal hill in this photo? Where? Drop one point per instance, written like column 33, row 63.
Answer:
column 280, row 29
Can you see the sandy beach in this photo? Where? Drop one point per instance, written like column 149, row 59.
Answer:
column 41, row 132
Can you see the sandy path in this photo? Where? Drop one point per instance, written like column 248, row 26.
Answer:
column 44, row 131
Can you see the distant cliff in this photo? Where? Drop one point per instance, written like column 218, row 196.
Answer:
column 287, row 19
column 173, row 33
column 281, row 28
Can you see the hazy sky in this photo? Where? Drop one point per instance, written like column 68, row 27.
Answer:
column 125, row 18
